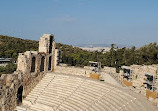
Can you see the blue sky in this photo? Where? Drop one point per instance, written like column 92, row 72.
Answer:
column 128, row 22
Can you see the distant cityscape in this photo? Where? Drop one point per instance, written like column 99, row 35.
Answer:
column 100, row 47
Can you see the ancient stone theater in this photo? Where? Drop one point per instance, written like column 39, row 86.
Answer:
column 36, row 86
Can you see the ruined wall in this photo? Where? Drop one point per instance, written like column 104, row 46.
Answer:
column 73, row 70
column 86, row 71
column 139, row 80
column 31, row 67
column 138, row 74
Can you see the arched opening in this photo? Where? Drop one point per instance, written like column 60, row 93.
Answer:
column 33, row 64
column 49, row 64
column 42, row 64
column 50, row 44
column 19, row 95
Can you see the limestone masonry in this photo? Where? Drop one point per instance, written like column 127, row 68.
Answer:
column 31, row 68
column 142, row 79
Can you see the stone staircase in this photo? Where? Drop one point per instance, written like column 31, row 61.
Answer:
column 59, row 92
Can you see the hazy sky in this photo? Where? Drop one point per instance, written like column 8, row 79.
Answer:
column 130, row 22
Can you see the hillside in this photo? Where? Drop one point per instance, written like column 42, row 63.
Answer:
column 74, row 56
column 11, row 46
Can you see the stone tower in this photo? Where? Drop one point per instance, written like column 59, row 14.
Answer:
column 47, row 46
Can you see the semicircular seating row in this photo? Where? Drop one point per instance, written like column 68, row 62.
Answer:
column 57, row 92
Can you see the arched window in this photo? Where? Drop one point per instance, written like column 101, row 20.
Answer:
column 19, row 95
column 49, row 64
column 42, row 64
column 33, row 64
column 50, row 44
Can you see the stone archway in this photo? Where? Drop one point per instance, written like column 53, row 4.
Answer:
column 19, row 95
column 50, row 63
column 42, row 64
column 50, row 44
column 33, row 64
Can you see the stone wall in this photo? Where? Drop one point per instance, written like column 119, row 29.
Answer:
column 139, row 80
column 138, row 74
column 73, row 70
column 86, row 71
column 31, row 67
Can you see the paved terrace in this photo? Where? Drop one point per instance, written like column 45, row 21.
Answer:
column 64, row 92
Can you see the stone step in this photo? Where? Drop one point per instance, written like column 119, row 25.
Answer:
column 20, row 108
column 41, row 107
column 69, row 93
column 71, row 105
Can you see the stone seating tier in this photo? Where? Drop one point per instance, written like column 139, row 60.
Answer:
column 59, row 92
